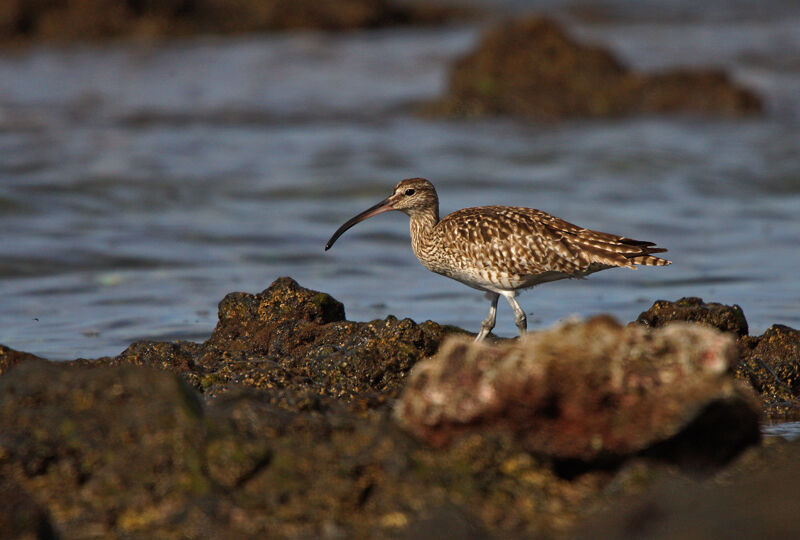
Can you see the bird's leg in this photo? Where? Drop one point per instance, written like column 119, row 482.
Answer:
column 519, row 314
column 488, row 322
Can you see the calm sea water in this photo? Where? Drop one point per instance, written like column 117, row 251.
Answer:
column 140, row 183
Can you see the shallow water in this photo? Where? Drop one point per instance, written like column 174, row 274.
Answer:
column 141, row 183
column 786, row 430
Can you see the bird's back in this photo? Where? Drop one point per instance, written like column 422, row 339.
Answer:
column 513, row 247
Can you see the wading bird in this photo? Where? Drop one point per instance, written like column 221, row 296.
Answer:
column 503, row 249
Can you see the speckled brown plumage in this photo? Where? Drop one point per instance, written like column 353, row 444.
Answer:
column 502, row 249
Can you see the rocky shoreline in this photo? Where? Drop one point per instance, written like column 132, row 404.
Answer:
column 291, row 421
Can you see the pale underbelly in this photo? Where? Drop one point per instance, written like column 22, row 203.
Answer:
column 487, row 280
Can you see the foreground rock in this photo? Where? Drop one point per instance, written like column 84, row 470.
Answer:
column 531, row 68
column 770, row 363
column 133, row 452
column 278, row 426
column 593, row 392
column 296, row 342
column 10, row 358
column 100, row 19
column 757, row 499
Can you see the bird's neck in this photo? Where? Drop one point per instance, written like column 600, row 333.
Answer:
column 421, row 227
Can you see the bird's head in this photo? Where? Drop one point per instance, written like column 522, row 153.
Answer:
column 410, row 196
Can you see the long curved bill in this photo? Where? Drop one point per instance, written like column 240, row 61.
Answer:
column 384, row 206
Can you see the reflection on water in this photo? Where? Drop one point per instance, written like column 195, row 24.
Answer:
column 141, row 183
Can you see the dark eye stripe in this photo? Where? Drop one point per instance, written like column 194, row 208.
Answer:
column 409, row 192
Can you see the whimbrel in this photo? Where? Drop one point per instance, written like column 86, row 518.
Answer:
column 503, row 249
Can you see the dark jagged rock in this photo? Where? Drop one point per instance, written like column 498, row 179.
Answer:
column 100, row 19
column 690, row 309
column 592, row 392
column 297, row 342
column 531, row 68
column 771, row 364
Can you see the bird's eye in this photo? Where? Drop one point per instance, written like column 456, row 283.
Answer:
column 409, row 192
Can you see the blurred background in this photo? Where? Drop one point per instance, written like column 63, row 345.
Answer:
column 153, row 159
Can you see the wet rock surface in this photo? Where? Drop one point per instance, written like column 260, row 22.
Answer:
column 530, row 67
column 281, row 425
column 593, row 392
column 63, row 20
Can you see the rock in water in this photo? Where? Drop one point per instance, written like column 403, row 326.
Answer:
column 590, row 391
column 530, row 67
column 691, row 309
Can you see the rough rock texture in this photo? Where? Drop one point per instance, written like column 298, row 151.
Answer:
column 590, row 391
column 103, row 446
column 130, row 451
column 295, row 341
column 771, row 364
column 690, row 309
column 290, row 435
column 531, row 68
column 98, row 19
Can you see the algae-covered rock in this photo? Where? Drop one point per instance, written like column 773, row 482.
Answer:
column 121, row 446
column 690, row 309
column 590, row 391
column 296, row 342
column 290, row 435
column 130, row 451
column 531, row 68
column 771, row 364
